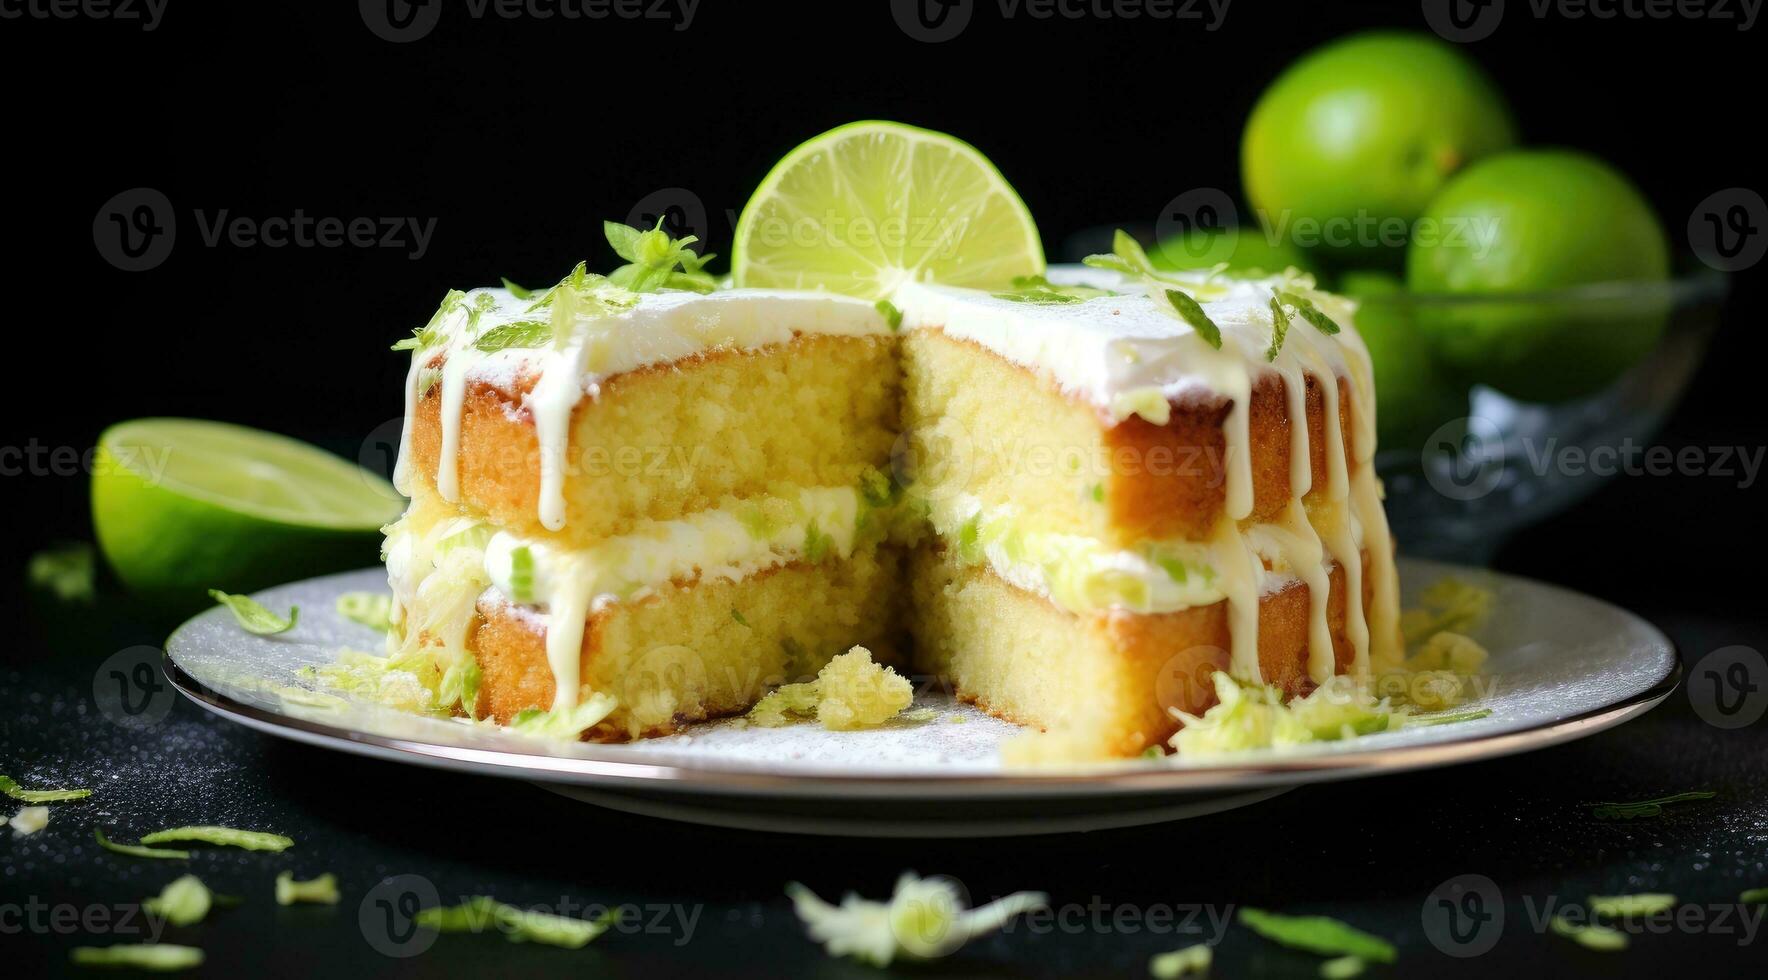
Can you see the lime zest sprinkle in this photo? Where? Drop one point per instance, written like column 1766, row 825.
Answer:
column 1450, row 718
column 1645, row 808
column 1590, row 935
column 519, row 292
column 652, row 259
column 1631, row 906
column 136, row 850
column 1318, row 934
column 516, row 333
column 738, row 616
column 1042, row 292
column 371, row 609
column 564, row 724
column 253, row 617
column 1343, row 967
column 1279, row 327
column 1189, row 311
column 924, row 919
column 518, row 925
column 1310, row 312
column 11, row 788
column 184, row 901
column 158, row 957
column 522, row 573
column 251, row 840
column 67, row 571
column 322, row 890
column 1188, row 962
column 892, row 315
column 816, row 543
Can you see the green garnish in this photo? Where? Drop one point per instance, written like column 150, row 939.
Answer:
column 1043, row 292
column 738, row 617
column 1631, row 906
column 1153, row 752
column 1190, row 961
column 251, row 840
column 517, row 333
column 158, row 957
column 1451, row 717
column 1590, row 936
column 68, row 571
column 1127, row 257
column 11, row 788
column 969, row 539
column 518, row 925
column 816, row 543
column 371, row 609
column 1174, row 569
column 427, row 335
column 1193, row 314
column 183, row 902
column 322, row 890
column 1310, row 312
column 519, row 292
column 1343, row 968
column 1097, row 492
column 652, row 259
column 876, row 489
column 1645, row 808
column 136, row 850
column 1279, row 327
column 566, row 723
column 891, row 314
column 253, row 617
column 1318, row 934
column 522, row 573
column 1754, row 896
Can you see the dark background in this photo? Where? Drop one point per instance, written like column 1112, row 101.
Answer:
column 519, row 137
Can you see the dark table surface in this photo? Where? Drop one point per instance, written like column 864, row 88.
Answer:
column 1370, row 852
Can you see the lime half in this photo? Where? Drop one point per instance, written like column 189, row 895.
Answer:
column 865, row 207
column 181, row 506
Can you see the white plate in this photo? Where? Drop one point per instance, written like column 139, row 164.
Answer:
column 1563, row 666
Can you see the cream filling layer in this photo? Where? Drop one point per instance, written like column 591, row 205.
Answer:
column 1082, row 574
column 1127, row 356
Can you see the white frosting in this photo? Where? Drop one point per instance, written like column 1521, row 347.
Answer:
column 1126, row 355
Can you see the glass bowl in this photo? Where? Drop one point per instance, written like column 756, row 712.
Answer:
column 1465, row 474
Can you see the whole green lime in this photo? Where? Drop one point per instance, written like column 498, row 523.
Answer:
column 1248, row 252
column 1349, row 144
column 1529, row 223
column 1413, row 395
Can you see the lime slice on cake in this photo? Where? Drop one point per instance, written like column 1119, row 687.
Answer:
column 865, row 207
column 182, row 506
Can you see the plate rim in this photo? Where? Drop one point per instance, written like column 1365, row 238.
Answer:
column 1106, row 779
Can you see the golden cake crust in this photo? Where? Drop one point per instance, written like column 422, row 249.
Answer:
column 1143, row 665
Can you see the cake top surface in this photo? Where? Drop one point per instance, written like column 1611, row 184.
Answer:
column 1114, row 348
column 506, row 334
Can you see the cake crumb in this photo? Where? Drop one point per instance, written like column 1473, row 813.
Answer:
column 850, row 692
